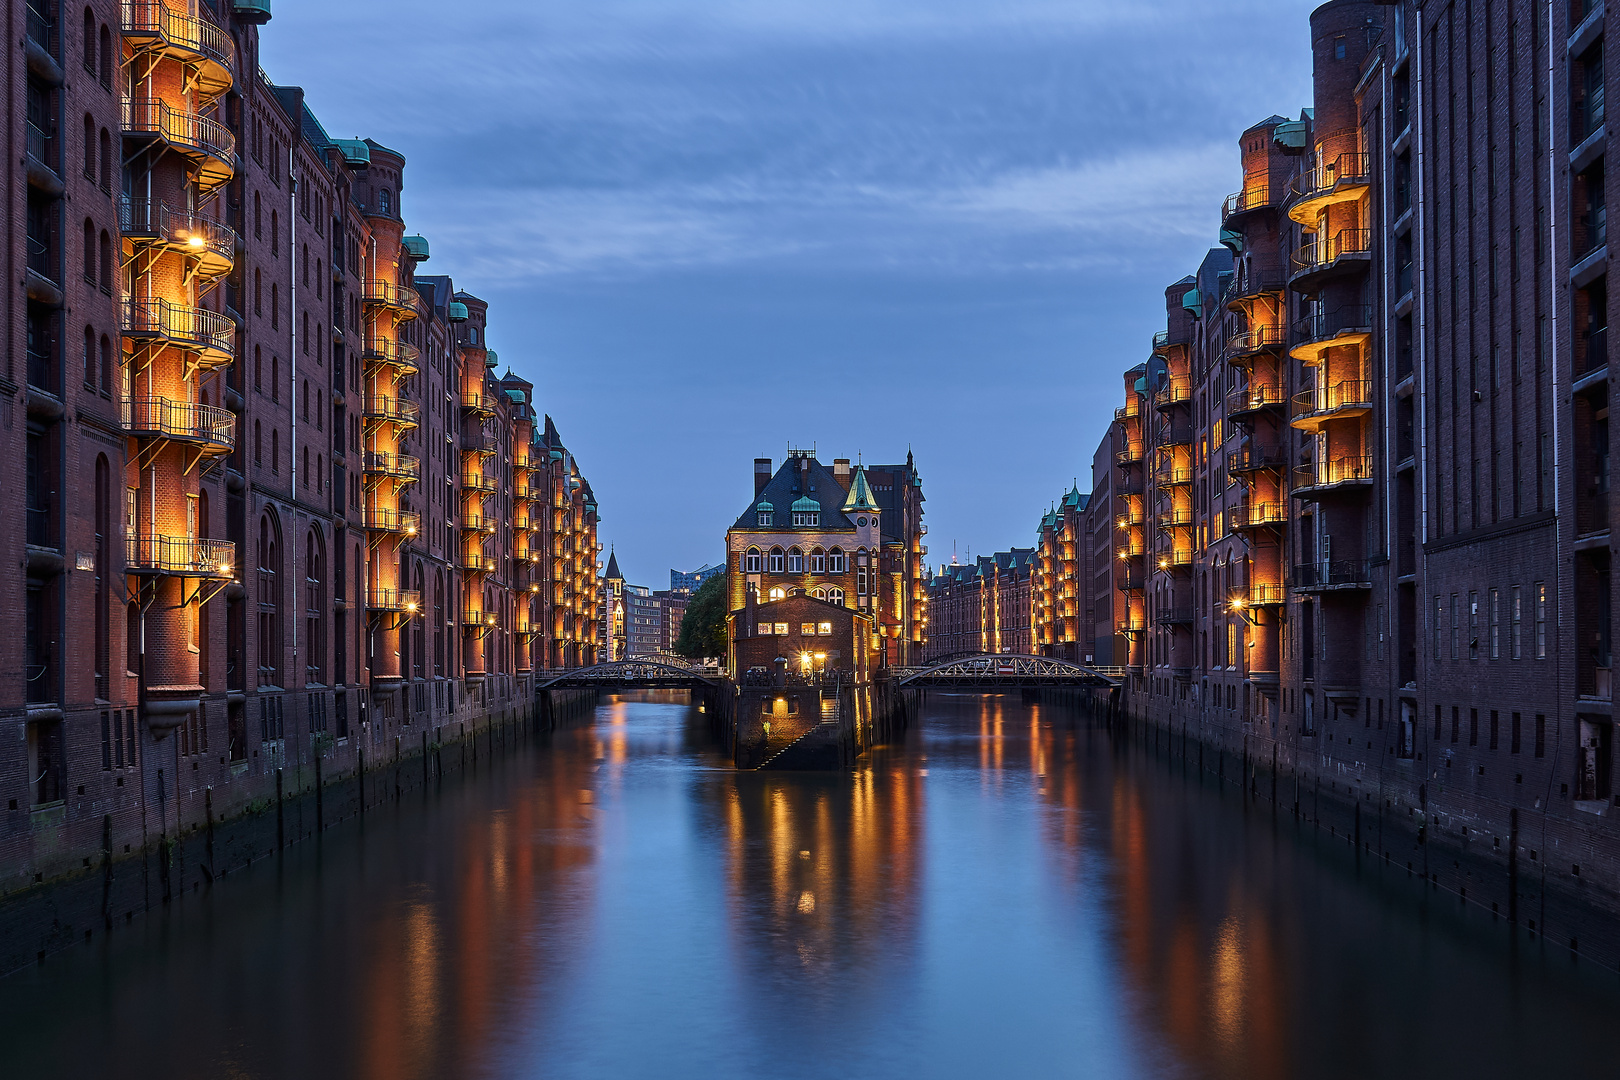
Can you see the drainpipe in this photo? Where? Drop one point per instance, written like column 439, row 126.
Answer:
column 292, row 320
column 1552, row 362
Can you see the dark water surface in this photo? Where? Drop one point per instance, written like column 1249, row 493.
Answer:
column 1007, row 895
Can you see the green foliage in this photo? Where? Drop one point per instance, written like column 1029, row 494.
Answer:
column 703, row 627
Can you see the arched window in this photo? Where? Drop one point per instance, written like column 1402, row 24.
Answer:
column 383, row 201
column 777, row 593
column 275, row 451
column 89, row 251
column 106, row 262
column 751, row 561
column 835, row 595
column 818, row 561
column 89, row 357
column 419, row 635
column 89, row 147
column 314, row 608
column 304, row 406
column 269, row 600
column 258, row 217
column 306, row 466
column 258, row 443
column 275, row 234
column 835, row 561
column 89, row 41
column 776, row 560
column 819, row 593
column 106, row 364
column 106, row 161
column 106, row 56
column 320, row 286
column 438, row 624
column 795, row 561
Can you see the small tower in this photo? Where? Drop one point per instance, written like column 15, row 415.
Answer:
column 614, row 582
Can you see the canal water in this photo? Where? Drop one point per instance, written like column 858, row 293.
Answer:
column 1008, row 894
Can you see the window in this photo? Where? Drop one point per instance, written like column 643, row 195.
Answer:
column 383, row 200
column 1541, row 735
column 824, row 629
column 1513, row 735
column 1496, row 624
column 818, row 562
column 860, row 580
column 777, row 593
column 1439, row 623
column 776, row 560
column 1456, row 617
column 89, row 147
column 766, row 519
column 275, row 451
column 835, row 562
column 275, row 234
column 806, row 519
column 751, row 561
column 1473, row 626
column 781, row 629
column 764, row 629
column 807, row 629
column 795, row 561
column 1516, row 613
column 1541, row 621
column 835, row 596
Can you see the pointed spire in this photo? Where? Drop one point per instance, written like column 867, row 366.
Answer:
column 860, row 495
column 612, row 571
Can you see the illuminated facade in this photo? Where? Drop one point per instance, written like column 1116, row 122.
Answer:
column 1062, row 578
column 279, row 505
column 987, row 606
column 1361, row 489
column 849, row 534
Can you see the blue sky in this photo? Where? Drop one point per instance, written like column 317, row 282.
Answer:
column 709, row 229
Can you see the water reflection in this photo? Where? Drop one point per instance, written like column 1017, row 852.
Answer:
column 1008, row 893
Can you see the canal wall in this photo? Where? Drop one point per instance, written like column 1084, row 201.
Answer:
column 1536, row 863
column 812, row 727
column 188, row 844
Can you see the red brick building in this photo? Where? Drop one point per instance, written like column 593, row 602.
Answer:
column 987, row 606
column 278, row 501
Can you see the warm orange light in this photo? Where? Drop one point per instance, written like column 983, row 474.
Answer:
column 195, row 241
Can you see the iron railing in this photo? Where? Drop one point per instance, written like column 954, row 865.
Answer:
column 1325, row 575
column 186, row 326
column 402, row 298
column 180, row 420
column 387, row 519
column 477, row 481
column 390, row 464
column 1253, row 340
column 1323, row 253
column 157, row 117
column 1321, row 325
column 1254, row 397
column 395, row 410
column 181, row 555
column 1350, row 393
column 179, row 229
column 406, row 600
column 144, row 17
column 1344, row 470
column 1325, row 176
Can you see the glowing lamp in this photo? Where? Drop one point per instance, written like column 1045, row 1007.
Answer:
column 225, row 568
column 410, row 605
column 194, row 242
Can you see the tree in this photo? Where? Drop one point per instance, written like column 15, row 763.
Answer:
column 703, row 627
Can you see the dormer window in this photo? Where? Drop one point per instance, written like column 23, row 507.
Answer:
column 806, row 519
column 766, row 519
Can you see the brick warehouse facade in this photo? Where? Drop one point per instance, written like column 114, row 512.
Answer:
column 279, row 503
column 1362, row 530
column 987, row 606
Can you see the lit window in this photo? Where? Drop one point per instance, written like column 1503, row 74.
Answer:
column 807, row 629
column 824, row 629
column 795, row 561
column 751, row 561
column 778, row 593
column 781, row 629
column 764, row 629
column 835, row 596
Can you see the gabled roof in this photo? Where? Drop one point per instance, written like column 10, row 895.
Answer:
column 813, row 489
column 860, row 494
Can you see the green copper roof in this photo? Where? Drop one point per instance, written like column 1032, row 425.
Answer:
column 860, row 495
column 764, row 507
column 802, row 506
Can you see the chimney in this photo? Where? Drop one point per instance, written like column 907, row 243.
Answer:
column 762, row 474
column 750, row 623
column 841, row 470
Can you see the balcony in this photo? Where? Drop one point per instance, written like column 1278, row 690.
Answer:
column 1132, row 625
column 180, row 556
column 1177, row 390
column 1175, row 559
column 400, row 467
column 408, row 601
column 1313, row 408
column 207, row 144
column 402, row 300
column 1326, row 477
column 480, row 442
column 1254, row 285
column 1271, row 594
column 204, row 49
column 1172, row 474
column 477, row 523
column 208, row 334
column 381, row 352
column 478, row 403
column 1346, row 251
column 1128, row 411
column 1177, row 517
column 478, row 617
column 1253, row 197
column 380, row 409
column 210, row 245
column 1258, row 515
column 206, row 427
column 1255, row 340
column 1129, row 454
column 1341, row 179
column 386, row 520
column 1256, row 397
column 1173, row 616
column 477, row 562
column 1320, row 331
column 477, row 481
column 1165, row 340
column 1254, row 457
column 1332, row 576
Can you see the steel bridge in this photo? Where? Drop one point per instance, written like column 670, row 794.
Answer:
column 637, row 673
column 1005, row 671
